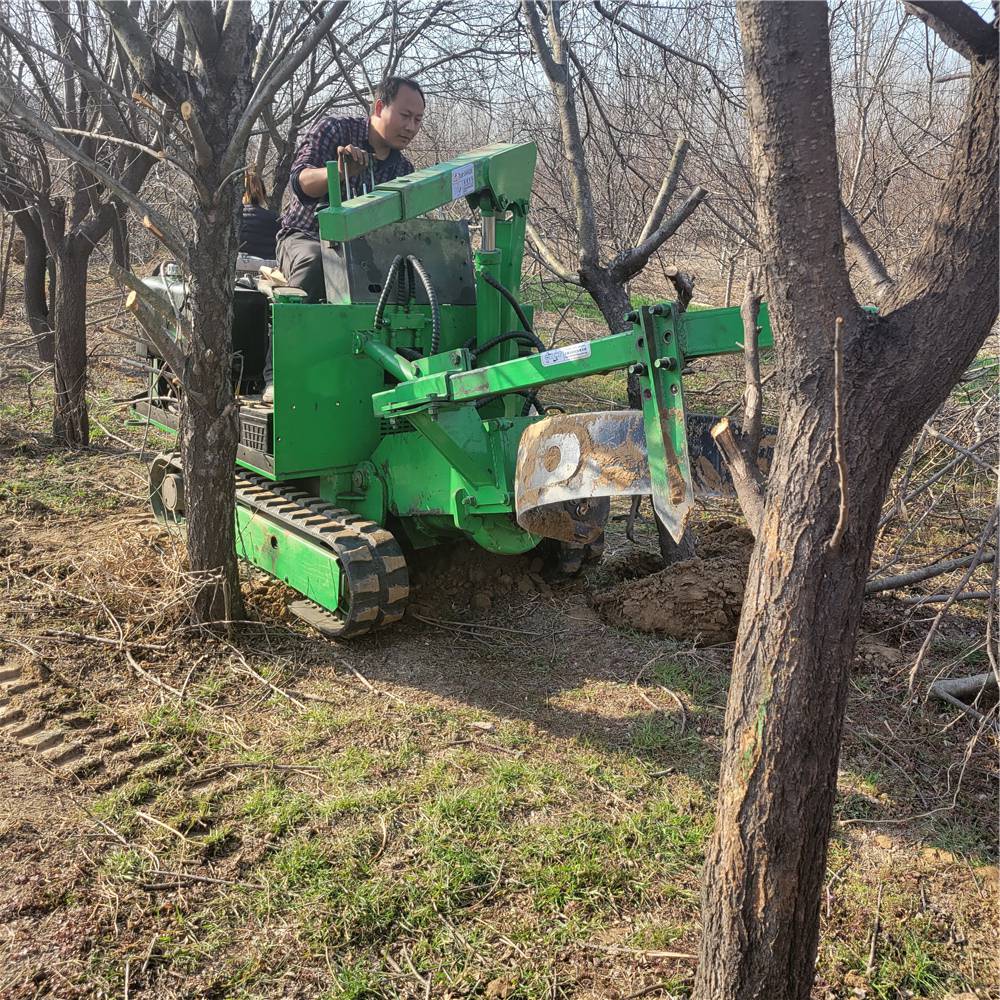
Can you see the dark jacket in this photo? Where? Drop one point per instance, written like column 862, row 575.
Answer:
column 317, row 147
column 258, row 232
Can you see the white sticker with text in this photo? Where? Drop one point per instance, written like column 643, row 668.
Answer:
column 463, row 180
column 560, row 355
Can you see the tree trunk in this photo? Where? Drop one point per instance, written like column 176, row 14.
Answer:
column 36, row 305
column 208, row 434
column 766, row 862
column 119, row 238
column 610, row 296
column 6, row 246
column 282, row 172
column 70, row 422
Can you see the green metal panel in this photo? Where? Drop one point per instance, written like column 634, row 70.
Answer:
column 361, row 215
column 659, row 376
column 511, row 172
column 489, row 302
column 323, row 416
column 435, row 499
column 310, row 568
column 510, row 242
column 705, row 332
column 322, row 407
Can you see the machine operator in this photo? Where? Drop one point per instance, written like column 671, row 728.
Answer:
column 373, row 151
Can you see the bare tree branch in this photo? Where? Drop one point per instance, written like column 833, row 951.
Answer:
column 634, row 260
column 865, row 254
column 666, row 191
column 747, row 478
column 270, row 82
column 617, row 21
column 163, row 229
column 753, row 399
column 549, row 258
column 958, row 26
column 550, row 53
column 167, row 82
column 880, row 584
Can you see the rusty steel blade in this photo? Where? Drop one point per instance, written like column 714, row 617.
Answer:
column 568, row 462
column 568, row 465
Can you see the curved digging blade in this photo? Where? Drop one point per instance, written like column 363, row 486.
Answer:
column 570, row 464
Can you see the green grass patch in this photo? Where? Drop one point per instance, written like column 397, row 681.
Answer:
column 966, row 838
column 662, row 736
column 906, row 966
column 55, row 494
column 704, row 684
column 276, row 809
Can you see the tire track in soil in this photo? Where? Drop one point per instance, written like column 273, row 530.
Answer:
column 41, row 716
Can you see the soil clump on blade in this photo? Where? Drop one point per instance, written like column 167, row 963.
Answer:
column 696, row 600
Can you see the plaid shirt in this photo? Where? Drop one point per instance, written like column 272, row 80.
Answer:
column 318, row 146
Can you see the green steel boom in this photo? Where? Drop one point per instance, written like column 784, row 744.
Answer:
column 396, row 406
column 494, row 179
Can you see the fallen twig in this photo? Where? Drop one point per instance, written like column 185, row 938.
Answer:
column 965, row 595
column 371, row 687
column 615, row 950
column 477, row 625
column 166, row 826
column 918, row 575
column 876, row 927
column 955, row 690
column 974, row 563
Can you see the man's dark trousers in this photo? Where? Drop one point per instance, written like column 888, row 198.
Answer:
column 301, row 262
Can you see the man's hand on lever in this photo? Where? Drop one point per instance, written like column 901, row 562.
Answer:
column 355, row 159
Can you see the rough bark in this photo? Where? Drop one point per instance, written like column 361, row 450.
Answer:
column 609, row 296
column 208, row 434
column 36, row 303
column 767, row 858
column 6, row 248
column 70, row 422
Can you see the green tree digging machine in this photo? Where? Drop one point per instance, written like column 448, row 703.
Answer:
column 406, row 403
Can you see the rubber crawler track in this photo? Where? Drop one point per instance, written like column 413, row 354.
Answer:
column 371, row 560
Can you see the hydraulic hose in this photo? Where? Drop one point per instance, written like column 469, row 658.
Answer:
column 530, row 400
column 514, row 304
column 387, row 284
column 529, row 397
column 404, row 284
column 520, row 335
column 432, row 298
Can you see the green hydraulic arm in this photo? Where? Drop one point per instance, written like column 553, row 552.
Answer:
column 661, row 341
column 495, row 179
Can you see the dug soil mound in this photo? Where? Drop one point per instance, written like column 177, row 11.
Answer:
column 462, row 576
column 697, row 600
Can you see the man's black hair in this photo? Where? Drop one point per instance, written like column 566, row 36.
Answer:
column 387, row 90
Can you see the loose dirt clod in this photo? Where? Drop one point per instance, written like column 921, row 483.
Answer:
column 697, row 600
